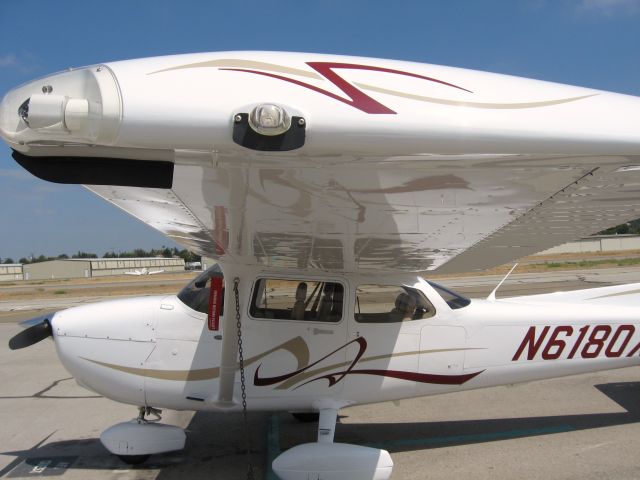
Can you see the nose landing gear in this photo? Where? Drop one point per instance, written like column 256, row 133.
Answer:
column 135, row 441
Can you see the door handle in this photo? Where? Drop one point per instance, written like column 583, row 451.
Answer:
column 319, row 331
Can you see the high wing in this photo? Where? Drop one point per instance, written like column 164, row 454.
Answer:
column 402, row 166
column 422, row 215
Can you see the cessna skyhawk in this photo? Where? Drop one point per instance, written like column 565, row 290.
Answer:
column 143, row 271
column 322, row 185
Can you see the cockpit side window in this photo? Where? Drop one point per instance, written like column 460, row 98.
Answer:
column 391, row 304
column 307, row 300
column 196, row 294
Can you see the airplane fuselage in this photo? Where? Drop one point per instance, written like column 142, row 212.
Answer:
column 158, row 351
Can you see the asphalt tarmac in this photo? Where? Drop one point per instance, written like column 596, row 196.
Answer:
column 585, row 427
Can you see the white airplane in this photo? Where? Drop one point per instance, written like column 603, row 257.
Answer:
column 322, row 184
column 143, row 271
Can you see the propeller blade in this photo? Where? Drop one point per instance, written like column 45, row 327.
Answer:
column 36, row 320
column 31, row 335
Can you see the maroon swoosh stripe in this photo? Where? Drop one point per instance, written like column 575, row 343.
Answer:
column 265, row 381
column 356, row 98
column 421, row 377
column 361, row 102
column 402, row 375
column 326, row 70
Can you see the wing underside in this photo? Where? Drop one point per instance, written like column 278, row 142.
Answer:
column 447, row 213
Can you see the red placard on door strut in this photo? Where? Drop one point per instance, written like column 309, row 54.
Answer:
column 215, row 302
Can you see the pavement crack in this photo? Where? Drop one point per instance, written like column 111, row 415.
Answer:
column 53, row 384
column 41, row 393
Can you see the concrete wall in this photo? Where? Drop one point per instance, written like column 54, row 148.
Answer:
column 101, row 267
column 598, row 244
column 98, row 267
column 57, row 269
column 10, row 271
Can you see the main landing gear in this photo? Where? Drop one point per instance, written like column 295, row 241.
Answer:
column 332, row 461
column 135, row 441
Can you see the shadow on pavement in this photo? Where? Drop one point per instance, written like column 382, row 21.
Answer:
column 216, row 442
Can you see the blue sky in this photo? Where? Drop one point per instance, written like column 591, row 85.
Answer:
column 591, row 43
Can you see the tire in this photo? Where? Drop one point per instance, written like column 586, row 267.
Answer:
column 306, row 417
column 133, row 459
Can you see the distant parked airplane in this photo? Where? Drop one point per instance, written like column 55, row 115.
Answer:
column 144, row 271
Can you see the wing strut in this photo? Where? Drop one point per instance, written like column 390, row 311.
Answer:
column 232, row 360
column 231, row 333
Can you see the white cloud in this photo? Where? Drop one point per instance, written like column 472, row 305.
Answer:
column 611, row 7
column 24, row 63
column 8, row 60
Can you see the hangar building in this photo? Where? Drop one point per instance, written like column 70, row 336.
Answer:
column 10, row 271
column 98, row 267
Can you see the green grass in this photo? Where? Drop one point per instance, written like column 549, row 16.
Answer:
column 59, row 292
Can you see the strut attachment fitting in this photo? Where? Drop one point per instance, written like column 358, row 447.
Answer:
column 144, row 411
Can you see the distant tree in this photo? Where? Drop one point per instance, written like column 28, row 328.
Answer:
column 63, row 256
column 632, row 227
column 84, row 255
column 24, row 261
column 617, row 230
column 188, row 256
column 8, row 260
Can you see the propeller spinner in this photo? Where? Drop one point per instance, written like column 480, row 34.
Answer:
column 39, row 329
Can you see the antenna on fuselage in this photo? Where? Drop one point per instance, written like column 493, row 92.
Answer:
column 492, row 295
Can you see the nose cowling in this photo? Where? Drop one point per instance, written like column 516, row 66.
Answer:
column 130, row 319
column 105, row 345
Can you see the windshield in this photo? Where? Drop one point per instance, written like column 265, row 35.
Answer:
column 454, row 300
column 196, row 294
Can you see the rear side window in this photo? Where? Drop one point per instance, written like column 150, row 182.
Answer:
column 297, row 300
column 390, row 304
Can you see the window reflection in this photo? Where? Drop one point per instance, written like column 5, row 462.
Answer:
column 196, row 294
